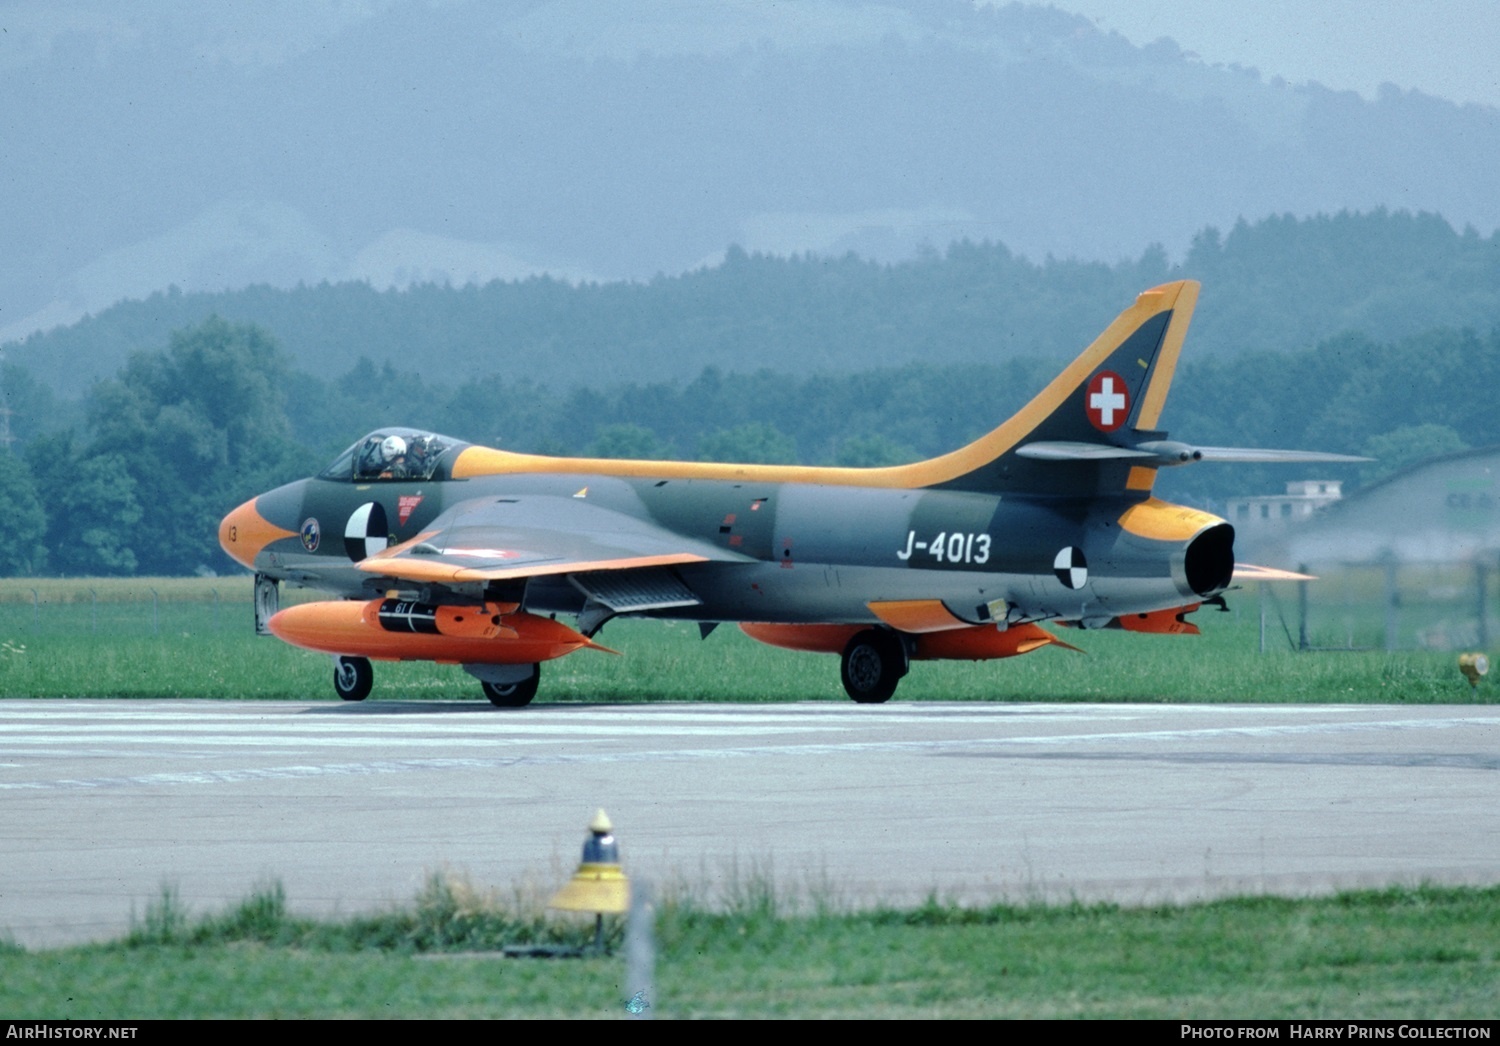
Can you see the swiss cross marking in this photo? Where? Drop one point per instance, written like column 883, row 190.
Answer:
column 1107, row 402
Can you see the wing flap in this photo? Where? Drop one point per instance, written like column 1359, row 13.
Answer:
column 636, row 590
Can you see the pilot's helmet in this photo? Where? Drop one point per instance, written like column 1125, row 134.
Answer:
column 392, row 447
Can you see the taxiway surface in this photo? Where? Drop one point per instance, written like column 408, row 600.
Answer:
column 352, row 806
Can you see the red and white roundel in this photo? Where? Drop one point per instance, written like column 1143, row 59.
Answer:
column 1107, row 401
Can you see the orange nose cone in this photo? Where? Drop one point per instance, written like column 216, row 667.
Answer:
column 244, row 532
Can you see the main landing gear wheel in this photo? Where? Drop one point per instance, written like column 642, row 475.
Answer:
column 513, row 695
column 874, row 662
column 353, row 677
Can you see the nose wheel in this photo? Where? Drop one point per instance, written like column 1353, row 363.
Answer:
column 353, row 677
column 874, row 662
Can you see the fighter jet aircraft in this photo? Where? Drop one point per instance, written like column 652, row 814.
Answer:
column 441, row 550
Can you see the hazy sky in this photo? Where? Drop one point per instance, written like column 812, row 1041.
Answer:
column 118, row 187
column 1440, row 47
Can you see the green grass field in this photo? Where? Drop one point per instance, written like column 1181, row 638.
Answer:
column 181, row 637
column 1398, row 954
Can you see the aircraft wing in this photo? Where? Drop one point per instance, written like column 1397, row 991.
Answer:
column 498, row 538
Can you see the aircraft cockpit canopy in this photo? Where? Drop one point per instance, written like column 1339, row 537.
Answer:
column 392, row 454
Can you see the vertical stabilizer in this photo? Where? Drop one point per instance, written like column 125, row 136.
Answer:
column 1106, row 401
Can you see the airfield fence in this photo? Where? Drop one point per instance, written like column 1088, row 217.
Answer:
column 1381, row 606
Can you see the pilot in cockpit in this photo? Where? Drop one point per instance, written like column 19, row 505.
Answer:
column 393, row 458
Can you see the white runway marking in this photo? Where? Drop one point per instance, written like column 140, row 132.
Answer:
column 361, row 733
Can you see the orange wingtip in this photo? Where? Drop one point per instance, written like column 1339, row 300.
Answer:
column 1251, row 572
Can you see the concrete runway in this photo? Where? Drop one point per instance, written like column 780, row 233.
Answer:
column 352, row 806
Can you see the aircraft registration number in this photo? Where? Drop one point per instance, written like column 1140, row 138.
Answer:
column 957, row 547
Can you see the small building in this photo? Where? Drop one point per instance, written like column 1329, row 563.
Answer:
column 1261, row 522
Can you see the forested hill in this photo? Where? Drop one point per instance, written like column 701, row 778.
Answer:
column 1278, row 284
column 160, row 452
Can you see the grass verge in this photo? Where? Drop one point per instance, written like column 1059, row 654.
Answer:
column 1420, row 953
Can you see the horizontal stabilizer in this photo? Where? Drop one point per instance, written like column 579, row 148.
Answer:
column 1253, row 454
column 1167, row 452
column 1251, row 572
column 1069, row 450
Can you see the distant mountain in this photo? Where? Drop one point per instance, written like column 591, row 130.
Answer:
column 1279, row 284
column 213, row 148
